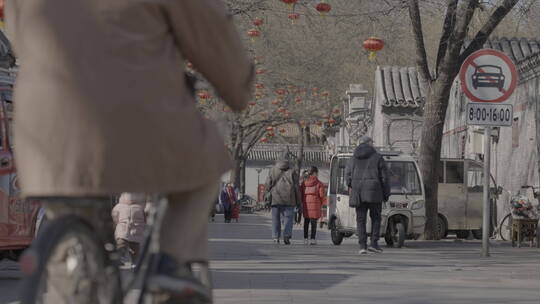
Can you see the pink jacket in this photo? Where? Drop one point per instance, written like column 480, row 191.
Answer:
column 128, row 215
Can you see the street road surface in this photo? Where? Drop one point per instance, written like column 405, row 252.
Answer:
column 249, row 269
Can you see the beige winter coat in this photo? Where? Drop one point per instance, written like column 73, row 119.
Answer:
column 128, row 216
column 100, row 101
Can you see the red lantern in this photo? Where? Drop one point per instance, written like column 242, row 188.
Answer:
column 280, row 91
column 204, row 95
column 373, row 45
column 269, row 129
column 258, row 22
column 331, row 121
column 252, row 103
column 259, row 86
column 260, row 71
column 323, row 8
column 291, row 3
column 253, row 34
column 293, row 17
column 264, row 140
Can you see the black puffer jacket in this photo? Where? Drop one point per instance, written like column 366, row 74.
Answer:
column 367, row 175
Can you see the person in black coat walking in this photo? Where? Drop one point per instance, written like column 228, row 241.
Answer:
column 367, row 179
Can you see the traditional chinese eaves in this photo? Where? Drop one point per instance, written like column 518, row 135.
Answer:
column 399, row 87
column 516, row 48
column 272, row 152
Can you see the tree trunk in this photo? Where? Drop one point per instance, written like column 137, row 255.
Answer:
column 430, row 148
column 537, row 118
column 242, row 185
column 300, row 158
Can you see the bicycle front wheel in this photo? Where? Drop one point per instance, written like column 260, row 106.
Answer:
column 69, row 264
column 505, row 228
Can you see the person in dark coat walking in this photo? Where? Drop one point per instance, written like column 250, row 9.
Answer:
column 367, row 179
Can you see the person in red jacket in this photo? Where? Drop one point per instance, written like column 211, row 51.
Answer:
column 313, row 197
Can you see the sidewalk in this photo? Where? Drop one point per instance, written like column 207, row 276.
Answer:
column 248, row 268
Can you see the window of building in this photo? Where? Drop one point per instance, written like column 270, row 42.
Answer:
column 515, row 133
column 454, row 172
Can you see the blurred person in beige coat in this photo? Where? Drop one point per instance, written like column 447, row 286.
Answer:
column 101, row 105
column 130, row 222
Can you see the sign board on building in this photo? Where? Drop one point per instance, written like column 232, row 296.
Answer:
column 489, row 114
column 488, row 76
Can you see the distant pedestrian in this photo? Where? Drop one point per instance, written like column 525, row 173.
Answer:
column 228, row 199
column 213, row 210
column 367, row 179
column 283, row 194
column 313, row 198
column 130, row 220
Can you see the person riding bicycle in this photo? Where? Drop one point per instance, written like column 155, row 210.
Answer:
column 102, row 107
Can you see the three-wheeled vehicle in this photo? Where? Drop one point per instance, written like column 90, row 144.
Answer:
column 403, row 216
column 19, row 219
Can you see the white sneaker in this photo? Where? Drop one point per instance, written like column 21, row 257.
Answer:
column 363, row 251
column 313, row 242
column 306, row 241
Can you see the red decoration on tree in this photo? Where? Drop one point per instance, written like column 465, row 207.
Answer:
column 258, row 22
column 253, row 33
column 252, row 103
column 337, row 111
column 291, row 3
column 260, row 71
column 204, row 95
column 264, row 140
column 298, row 100
column 282, row 130
column 282, row 110
column 276, row 101
column 331, row 121
column 280, row 91
column 269, row 129
column 293, row 17
column 323, row 8
column 373, row 45
column 259, row 86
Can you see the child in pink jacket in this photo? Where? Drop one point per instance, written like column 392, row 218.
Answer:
column 129, row 218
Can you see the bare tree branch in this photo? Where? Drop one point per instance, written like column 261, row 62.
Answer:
column 448, row 28
column 416, row 22
column 488, row 28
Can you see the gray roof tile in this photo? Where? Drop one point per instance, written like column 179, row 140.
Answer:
column 400, row 86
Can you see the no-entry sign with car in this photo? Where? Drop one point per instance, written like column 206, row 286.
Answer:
column 488, row 76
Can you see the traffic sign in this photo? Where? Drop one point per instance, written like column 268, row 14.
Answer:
column 489, row 114
column 488, row 76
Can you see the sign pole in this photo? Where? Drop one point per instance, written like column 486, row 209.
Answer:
column 487, row 176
